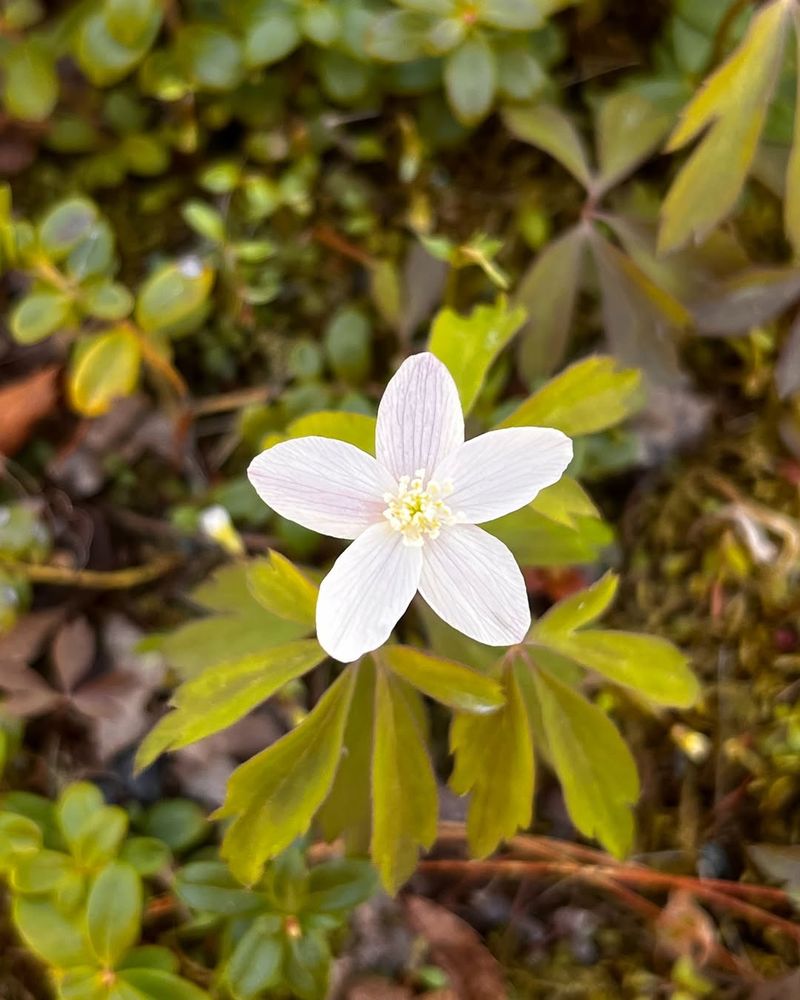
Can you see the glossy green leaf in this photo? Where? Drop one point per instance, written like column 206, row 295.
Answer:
column 174, row 299
column 41, row 873
column 49, row 934
column 470, row 76
column 732, row 104
column 578, row 609
column 273, row 797
column 19, row 838
column 547, row 292
column 593, row 764
column 468, row 345
column 283, row 589
column 404, row 797
column 30, row 84
column 548, row 128
column 114, row 912
column 101, row 837
column 355, row 428
column 102, row 57
column 225, row 693
column 65, row 225
column 589, row 396
column 38, row 315
column 501, row 797
column 256, row 962
column 106, row 369
column 445, row 681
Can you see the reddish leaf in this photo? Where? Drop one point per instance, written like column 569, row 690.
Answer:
column 23, row 404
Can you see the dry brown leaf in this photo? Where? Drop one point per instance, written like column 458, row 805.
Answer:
column 685, row 928
column 27, row 638
column 474, row 973
column 23, row 404
column 72, row 653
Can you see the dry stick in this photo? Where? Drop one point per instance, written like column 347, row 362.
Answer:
column 91, row 579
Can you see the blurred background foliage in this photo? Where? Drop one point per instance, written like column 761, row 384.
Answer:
column 224, row 224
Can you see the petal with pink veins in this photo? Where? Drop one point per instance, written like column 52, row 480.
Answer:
column 503, row 470
column 326, row 485
column 419, row 418
column 362, row 598
column 471, row 580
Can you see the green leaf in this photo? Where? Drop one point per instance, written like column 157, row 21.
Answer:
column 107, row 300
column 589, row 396
column 468, row 345
column 348, row 345
column 76, row 808
column 101, row 837
column 19, row 838
column 445, row 681
column 501, row 796
column 204, row 219
column 49, row 934
column 629, row 130
column 512, row 15
column 279, row 585
column 548, row 128
column 732, row 104
column 225, row 693
column 548, row 291
column 41, row 873
column 593, row 764
column 272, row 798
column 355, row 428
column 150, row 956
column 38, row 315
column 211, row 56
column 174, row 299
column 209, row 887
column 114, row 912
column 102, row 58
column 404, row 797
column 339, row 886
column 106, row 369
column 256, row 962
column 398, row 36
column 179, row 823
column 791, row 202
column 346, row 811
column 31, row 82
column 520, row 76
column 65, row 225
column 307, row 965
column 578, row 609
column 155, row 984
column 128, row 20
column 147, row 855
column 470, row 76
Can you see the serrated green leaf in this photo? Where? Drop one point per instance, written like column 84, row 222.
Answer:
column 446, row 681
column 273, row 797
column 548, row 291
column 404, row 798
column 105, row 370
column 114, row 912
column 281, row 588
column 589, row 396
column 355, row 428
column 501, row 798
column 225, row 693
column 595, row 767
column 549, row 129
column 470, row 76
column 733, row 104
column 468, row 345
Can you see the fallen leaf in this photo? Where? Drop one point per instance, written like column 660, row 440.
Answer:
column 23, row 404
column 72, row 652
column 473, row 971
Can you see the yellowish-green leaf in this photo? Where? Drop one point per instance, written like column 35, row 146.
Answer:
column 791, row 205
column 548, row 128
column 565, row 502
column 595, row 767
column 38, row 315
column 50, row 935
column 445, row 681
column 106, row 368
column 733, row 104
column 31, row 83
column 404, row 799
column 470, row 76
column 280, row 586
column 225, row 693
column 578, row 609
column 494, row 762
column 468, row 345
column 589, row 396
column 174, row 299
column 355, row 428
column 273, row 797
column 547, row 292
column 114, row 912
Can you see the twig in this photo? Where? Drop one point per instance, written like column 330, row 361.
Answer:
column 91, row 579
column 228, row 401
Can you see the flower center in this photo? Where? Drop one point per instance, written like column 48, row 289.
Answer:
column 417, row 509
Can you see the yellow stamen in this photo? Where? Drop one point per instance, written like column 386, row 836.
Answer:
column 417, row 509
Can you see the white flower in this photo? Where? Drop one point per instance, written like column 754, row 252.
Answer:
column 413, row 512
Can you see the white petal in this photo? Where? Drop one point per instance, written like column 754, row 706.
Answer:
column 368, row 589
column 324, row 484
column 419, row 417
column 471, row 580
column 503, row 470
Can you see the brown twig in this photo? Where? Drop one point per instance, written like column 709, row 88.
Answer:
column 90, row 579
